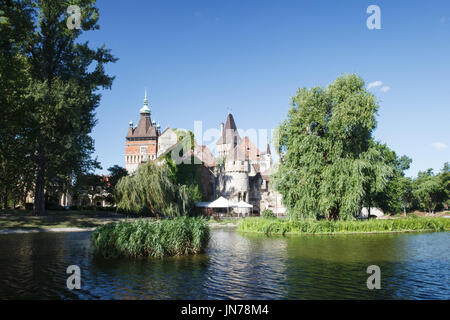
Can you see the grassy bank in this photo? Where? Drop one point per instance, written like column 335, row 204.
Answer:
column 144, row 238
column 282, row 227
column 21, row 219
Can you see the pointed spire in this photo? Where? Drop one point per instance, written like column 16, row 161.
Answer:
column 145, row 109
column 145, row 98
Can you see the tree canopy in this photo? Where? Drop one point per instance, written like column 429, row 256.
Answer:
column 152, row 190
column 330, row 164
column 51, row 90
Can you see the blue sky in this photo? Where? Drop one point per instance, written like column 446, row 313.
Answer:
column 199, row 58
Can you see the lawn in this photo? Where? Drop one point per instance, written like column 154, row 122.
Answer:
column 20, row 219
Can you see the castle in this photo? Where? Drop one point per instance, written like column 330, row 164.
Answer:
column 240, row 172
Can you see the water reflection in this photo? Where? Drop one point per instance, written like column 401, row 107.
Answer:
column 235, row 266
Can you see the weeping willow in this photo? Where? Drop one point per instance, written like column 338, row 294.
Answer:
column 152, row 189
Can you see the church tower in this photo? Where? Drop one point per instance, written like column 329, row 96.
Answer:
column 142, row 140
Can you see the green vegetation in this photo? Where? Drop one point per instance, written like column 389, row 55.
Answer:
column 311, row 226
column 267, row 214
column 152, row 190
column 143, row 238
column 331, row 166
column 185, row 169
column 49, row 90
column 431, row 192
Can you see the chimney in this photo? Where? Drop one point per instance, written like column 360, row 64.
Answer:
column 221, row 127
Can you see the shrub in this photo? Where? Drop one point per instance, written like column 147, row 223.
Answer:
column 145, row 238
column 310, row 226
column 267, row 214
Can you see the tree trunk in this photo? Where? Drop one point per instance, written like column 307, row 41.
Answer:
column 333, row 214
column 39, row 194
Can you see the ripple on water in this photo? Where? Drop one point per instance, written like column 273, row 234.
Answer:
column 234, row 266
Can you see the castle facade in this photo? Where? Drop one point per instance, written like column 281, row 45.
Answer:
column 239, row 172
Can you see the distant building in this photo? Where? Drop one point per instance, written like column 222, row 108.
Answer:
column 239, row 173
column 244, row 172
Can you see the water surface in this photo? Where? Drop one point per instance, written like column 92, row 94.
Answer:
column 235, row 266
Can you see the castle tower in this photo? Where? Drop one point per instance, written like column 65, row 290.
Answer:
column 233, row 181
column 229, row 139
column 142, row 140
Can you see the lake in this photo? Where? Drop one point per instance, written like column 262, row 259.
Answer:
column 235, row 266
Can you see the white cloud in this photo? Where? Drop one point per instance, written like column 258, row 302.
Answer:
column 385, row 89
column 374, row 84
column 439, row 145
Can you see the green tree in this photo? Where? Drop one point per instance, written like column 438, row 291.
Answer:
column 116, row 173
column 152, row 190
column 64, row 77
column 396, row 195
column 428, row 190
column 15, row 170
column 330, row 164
column 444, row 178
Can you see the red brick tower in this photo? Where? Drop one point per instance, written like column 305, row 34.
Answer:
column 141, row 141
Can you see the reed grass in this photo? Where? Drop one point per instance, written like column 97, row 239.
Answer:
column 144, row 238
column 283, row 227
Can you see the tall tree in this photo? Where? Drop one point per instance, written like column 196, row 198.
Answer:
column 15, row 171
column 62, row 94
column 330, row 164
column 115, row 174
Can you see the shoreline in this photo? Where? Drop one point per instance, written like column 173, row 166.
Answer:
column 342, row 233
column 76, row 229
column 39, row 230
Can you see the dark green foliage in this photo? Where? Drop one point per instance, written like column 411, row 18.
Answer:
column 145, row 238
column 115, row 174
column 267, row 214
column 16, row 171
column 309, row 226
column 188, row 172
column 53, row 91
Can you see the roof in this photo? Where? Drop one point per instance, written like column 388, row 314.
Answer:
column 243, row 204
column 229, row 131
column 222, row 203
column 144, row 129
column 245, row 150
column 205, row 155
